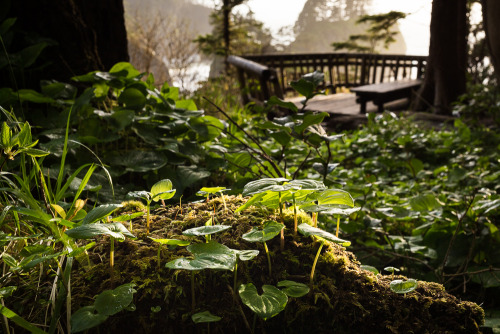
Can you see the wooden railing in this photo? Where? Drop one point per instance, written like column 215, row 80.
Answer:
column 342, row 69
column 257, row 82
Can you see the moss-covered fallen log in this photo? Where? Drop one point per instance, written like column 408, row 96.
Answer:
column 342, row 299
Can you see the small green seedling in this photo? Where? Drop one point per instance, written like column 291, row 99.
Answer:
column 114, row 230
column 267, row 192
column 266, row 305
column 308, row 230
column 75, row 212
column 205, row 317
column 269, row 231
column 213, row 190
column 169, row 242
column 299, row 190
column 161, row 190
column 341, row 211
column 210, row 255
column 326, row 201
column 242, row 255
column 404, row 287
column 273, row 300
column 106, row 304
column 206, row 230
column 127, row 217
column 391, row 270
column 20, row 142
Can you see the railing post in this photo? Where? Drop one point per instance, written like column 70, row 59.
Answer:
column 363, row 70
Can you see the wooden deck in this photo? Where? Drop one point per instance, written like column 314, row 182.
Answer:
column 344, row 104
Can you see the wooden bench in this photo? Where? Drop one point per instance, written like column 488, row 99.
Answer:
column 385, row 92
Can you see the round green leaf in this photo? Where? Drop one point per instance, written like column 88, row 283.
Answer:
column 210, row 255
column 306, row 184
column 88, row 231
column 140, row 194
column 127, row 217
column 335, row 197
column 124, row 69
column 204, row 316
column 399, row 286
column 293, row 289
column 341, row 211
column 111, row 302
column 171, row 242
column 369, row 268
column 120, row 229
column 269, row 231
column 246, row 255
column 210, row 190
column 270, row 303
column 86, row 318
column 122, row 118
column 391, row 269
column 308, row 230
column 205, row 230
column 132, row 98
column 261, row 185
column 424, row 203
column 162, row 190
column 99, row 213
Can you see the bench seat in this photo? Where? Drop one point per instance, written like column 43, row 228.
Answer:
column 385, row 92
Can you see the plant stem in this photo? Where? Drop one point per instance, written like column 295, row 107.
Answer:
column 282, row 232
column 268, row 258
column 223, row 201
column 193, row 301
column 159, row 253
column 235, row 275
column 147, row 218
column 294, row 216
column 338, row 226
column 315, row 261
column 88, row 258
column 112, row 254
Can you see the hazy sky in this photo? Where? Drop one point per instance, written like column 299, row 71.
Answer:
column 415, row 28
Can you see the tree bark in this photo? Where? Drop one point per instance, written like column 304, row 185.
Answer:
column 90, row 35
column 445, row 74
column 491, row 23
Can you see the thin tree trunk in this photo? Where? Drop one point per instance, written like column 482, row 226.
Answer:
column 491, row 22
column 89, row 34
column 226, row 10
column 445, row 75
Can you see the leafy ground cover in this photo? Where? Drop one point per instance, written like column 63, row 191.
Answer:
column 424, row 201
column 343, row 296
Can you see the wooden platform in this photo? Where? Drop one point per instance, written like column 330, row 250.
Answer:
column 344, row 111
column 344, row 104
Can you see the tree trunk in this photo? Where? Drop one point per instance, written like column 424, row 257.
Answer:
column 90, row 35
column 445, row 74
column 491, row 22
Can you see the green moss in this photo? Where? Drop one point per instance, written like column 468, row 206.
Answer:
column 344, row 298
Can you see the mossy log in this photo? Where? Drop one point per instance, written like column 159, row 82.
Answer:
column 343, row 298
